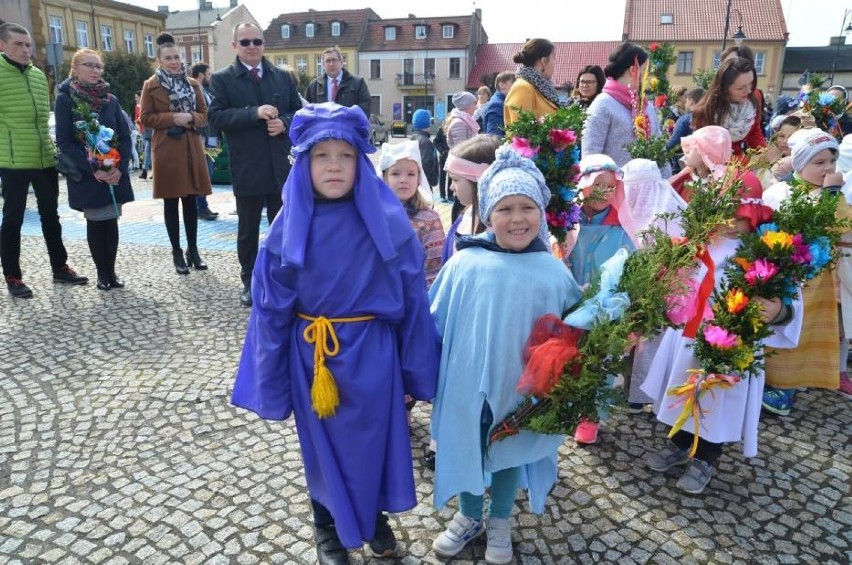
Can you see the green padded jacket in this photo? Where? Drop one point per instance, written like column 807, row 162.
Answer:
column 24, row 109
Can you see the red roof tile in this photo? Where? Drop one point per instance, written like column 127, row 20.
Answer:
column 571, row 56
column 703, row 20
column 405, row 40
column 353, row 29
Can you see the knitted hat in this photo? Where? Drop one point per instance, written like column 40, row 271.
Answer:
column 844, row 157
column 463, row 100
column 421, row 119
column 511, row 175
column 408, row 149
column 785, row 104
column 714, row 144
column 806, row 143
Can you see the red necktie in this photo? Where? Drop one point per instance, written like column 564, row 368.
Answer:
column 255, row 75
column 335, row 86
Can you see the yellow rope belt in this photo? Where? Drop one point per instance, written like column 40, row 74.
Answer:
column 320, row 332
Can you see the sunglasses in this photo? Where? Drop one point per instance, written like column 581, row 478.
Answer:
column 246, row 42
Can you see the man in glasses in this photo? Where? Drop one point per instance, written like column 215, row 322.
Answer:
column 336, row 84
column 253, row 104
column 27, row 156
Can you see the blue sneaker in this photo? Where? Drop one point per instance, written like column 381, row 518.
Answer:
column 778, row 401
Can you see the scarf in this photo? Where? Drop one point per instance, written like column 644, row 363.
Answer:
column 181, row 93
column 540, row 83
column 739, row 120
column 95, row 96
column 466, row 118
column 629, row 98
column 620, row 92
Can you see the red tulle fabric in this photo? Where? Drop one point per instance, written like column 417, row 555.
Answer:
column 551, row 345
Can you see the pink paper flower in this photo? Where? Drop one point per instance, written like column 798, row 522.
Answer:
column 562, row 138
column 762, row 270
column 720, row 337
column 523, row 147
column 801, row 251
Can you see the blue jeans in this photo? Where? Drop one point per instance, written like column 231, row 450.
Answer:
column 202, row 200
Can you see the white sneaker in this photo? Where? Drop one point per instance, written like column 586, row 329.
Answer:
column 499, row 549
column 459, row 532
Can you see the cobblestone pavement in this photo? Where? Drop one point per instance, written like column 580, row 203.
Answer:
column 118, row 445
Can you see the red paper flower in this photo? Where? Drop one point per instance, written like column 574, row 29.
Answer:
column 660, row 100
column 654, row 46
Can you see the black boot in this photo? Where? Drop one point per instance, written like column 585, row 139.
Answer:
column 180, row 264
column 329, row 549
column 193, row 259
column 103, row 281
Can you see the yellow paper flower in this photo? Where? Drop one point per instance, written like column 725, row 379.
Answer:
column 744, row 359
column 773, row 238
column 736, row 301
column 655, row 82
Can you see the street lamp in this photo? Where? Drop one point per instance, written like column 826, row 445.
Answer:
column 740, row 35
column 845, row 28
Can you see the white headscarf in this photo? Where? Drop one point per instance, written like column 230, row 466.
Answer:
column 647, row 195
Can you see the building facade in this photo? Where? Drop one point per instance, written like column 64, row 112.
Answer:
column 833, row 63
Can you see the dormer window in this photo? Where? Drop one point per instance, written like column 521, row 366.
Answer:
column 285, row 31
column 420, row 32
column 310, row 29
column 335, row 29
column 449, row 31
column 390, row 33
column 666, row 19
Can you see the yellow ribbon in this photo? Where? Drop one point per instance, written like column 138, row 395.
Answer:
column 689, row 394
column 320, row 332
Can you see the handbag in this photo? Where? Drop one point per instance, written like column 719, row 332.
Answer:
column 67, row 167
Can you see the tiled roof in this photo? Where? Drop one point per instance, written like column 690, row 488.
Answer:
column 703, row 20
column 817, row 59
column 353, row 29
column 405, row 40
column 571, row 56
column 190, row 18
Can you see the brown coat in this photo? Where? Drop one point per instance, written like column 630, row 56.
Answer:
column 180, row 166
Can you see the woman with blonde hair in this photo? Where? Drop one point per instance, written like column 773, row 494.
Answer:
column 98, row 193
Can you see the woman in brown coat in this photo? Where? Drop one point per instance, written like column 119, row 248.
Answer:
column 174, row 107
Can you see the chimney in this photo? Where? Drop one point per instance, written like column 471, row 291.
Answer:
column 163, row 9
column 234, row 3
column 206, row 6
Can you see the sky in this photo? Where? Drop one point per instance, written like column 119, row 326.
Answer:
column 505, row 23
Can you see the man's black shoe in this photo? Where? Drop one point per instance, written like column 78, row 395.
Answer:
column 245, row 297
column 329, row 549
column 383, row 543
column 17, row 288
column 208, row 214
column 67, row 275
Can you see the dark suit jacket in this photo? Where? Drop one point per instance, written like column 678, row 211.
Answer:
column 352, row 91
column 259, row 163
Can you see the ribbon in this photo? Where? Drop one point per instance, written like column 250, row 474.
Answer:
column 704, row 292
column 689, row 395
column 320, row 333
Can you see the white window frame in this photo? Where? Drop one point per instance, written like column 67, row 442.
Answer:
column 448, row 31
column 281, row 61
column 106, row 38
column 81, row 31
column 310, row 29
column 301, row 65
column 148, row 39
column 390, row 33
column 318, row 65
column 420, row 32
column 450, row 67
column 129, row 41
column 335, row 29
column 717, row 60
column 197, row 52
column 285, row 31
column 56, row 35
column 760, row 62
column 666, row 19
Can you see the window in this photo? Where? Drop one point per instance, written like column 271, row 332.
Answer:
column 129, row 41
column 309, row 30
column 375, row 69
column 455, row 67
column 717, row 59
column 82, row 29
column 285, row 31
column 281, row 61
column 196, row 54
column 390, row 34
column 684, row 63
column 335, row 29
column 408, row 72
column 759, row 62
column 375, row 104
column 419, row 32
column 449, row 31
column 56, row 30
column 318, row 61
column 429, row 68
column 666, row 19
column 149, row 45
column 106, row 38
column 302, row 65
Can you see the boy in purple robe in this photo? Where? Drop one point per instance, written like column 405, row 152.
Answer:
column 340, row 332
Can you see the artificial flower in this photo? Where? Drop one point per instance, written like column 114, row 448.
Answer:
column 720, row 337
column 524, row 148
column 653, row 46
column 660, row 100
column 780, row 238
column 801, row 251
column 820, row 252
column 767, row 227
column 736, row 301
column 826, row 99
column 562, row 138
column 743, row 263
column 761, row 271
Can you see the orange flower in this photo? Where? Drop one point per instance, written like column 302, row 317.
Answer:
column 744, row 263
column 736, row 301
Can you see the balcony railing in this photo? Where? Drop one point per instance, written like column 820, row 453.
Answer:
column 414, row 80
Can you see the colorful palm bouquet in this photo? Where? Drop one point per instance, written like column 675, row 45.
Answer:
column 552, row 142
column 100, row 142
column 826, row 110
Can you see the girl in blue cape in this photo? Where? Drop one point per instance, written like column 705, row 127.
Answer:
column 485, row 301
column 340, row 332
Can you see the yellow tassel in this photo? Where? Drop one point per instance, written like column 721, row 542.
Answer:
column 324, row 396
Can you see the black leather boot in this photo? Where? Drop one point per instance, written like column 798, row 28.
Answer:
column 180, row 264
column 193, row 259
column 329, row 549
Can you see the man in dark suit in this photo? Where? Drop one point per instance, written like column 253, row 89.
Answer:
column 253, row 104
column 337, row 84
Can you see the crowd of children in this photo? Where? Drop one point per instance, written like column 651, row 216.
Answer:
column 363, row 303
